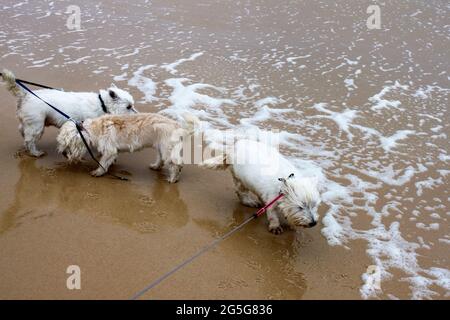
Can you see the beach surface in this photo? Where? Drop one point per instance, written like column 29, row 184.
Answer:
column 364, row 110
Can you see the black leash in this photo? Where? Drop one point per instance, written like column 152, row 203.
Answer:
column 35, row 84
column 19, row 82
column 78, row 125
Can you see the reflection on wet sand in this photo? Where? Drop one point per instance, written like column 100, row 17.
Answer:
column 56, row 204
column 43, row 192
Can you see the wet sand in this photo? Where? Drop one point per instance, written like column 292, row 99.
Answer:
column 124, row 235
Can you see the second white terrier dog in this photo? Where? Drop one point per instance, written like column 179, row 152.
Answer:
column 112, row 134
column 260, row 174
column 34, row 115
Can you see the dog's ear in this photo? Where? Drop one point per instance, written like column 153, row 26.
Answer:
column 112, row 94
column 291, row 176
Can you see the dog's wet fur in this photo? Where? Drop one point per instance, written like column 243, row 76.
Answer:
column 112, row 134
column 257, row 184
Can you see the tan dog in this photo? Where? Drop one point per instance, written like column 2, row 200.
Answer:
column 111, row 134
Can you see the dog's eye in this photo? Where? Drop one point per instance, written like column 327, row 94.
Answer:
column 129, row 107
column 300, row 208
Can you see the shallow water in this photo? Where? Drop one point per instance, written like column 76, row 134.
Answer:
column 365, row 110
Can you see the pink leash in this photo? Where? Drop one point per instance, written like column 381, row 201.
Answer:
column 267, row 206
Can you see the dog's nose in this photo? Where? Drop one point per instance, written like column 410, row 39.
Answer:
column 312, row 224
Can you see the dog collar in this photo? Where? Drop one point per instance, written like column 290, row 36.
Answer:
column 105, row 110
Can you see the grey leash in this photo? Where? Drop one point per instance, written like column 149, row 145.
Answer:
column 208, row 247
column 195, row 256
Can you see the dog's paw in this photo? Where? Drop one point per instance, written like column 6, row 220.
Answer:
column 38, row 153
column 172, row 180
column 97, row 173
column 276, row 229
column 155, row 166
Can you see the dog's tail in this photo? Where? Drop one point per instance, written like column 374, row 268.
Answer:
column 11, row 85
column 191, row 124
column 219, row 162
column 70, row 143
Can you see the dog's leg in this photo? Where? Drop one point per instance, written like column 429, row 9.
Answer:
column 249, row 199
column 173, row 168
column 246, row 197
column 106, row 161
column 21, row 130
column 274, row 221
column 32, row 132
column 158, row 164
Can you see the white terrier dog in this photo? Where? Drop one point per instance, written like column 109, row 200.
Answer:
column 111, row 134
column 34, row 115
column 260, row 174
